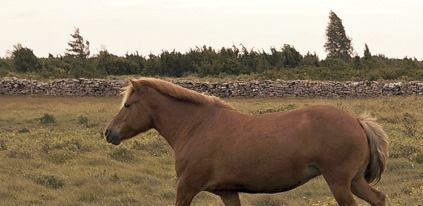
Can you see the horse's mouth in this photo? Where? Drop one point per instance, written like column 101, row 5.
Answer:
column 115, row 142
column 112, row 138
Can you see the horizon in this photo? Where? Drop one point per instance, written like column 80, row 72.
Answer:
column 390, row 28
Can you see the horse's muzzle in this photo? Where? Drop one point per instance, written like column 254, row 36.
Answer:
column 111, row 137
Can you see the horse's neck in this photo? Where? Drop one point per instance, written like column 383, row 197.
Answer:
column 174, row 120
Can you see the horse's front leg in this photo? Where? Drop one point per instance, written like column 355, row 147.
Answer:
column 230, row 198
column 185, row 194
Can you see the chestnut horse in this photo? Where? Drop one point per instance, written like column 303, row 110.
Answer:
column 223, row 151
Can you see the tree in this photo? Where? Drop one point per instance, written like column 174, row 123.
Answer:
column 367, row 54
column 78, row 48
column 24, row 59
column 5, row 65
column 114, row 65
column 338, row 45
column 357, row 62
column 290, row 56
column 310, row 59
column 76, row 57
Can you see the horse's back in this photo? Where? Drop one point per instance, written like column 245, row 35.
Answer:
column 325, row 130
column 311, row 128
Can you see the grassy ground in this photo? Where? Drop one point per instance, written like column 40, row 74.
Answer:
column 52, row 153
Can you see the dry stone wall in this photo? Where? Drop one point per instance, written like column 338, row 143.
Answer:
column 265, row 88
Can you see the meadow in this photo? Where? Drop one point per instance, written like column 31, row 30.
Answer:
column 52, row 153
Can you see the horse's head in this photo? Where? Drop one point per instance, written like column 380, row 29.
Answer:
column 134, row 116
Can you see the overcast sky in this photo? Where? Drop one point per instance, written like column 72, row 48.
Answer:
column 389, row 27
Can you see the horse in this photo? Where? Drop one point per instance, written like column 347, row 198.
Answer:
column 223, row 151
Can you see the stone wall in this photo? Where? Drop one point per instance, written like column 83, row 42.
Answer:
column 266, row 88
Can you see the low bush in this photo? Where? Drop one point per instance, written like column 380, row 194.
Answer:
column 72, row 145
column 409, row 123
column 19, row 154
column 268, row 201
column 58, row 156
column 276, row 109
column 122, row 154
column 155, row 146
column 47, row 119
column 83, row 120
column 403, row 151
column 3, row 145
column 419, row 157
column 23, row 130
column 49, row 181
column 399, row 164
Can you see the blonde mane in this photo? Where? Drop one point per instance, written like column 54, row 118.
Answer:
column 176, row 92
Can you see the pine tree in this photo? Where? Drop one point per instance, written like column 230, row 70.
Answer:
column 290, row 56
column 78, row 48
column 367, row 54
column 310, row 59
column 76, row 57
column 338, row 45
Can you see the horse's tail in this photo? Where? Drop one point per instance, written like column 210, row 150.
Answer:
column 378, row 145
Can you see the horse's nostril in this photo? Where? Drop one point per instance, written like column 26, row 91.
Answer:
column 106, row 132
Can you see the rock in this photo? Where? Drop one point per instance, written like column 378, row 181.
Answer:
column 271, row 88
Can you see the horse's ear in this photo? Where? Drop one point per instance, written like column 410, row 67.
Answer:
column 134, row 84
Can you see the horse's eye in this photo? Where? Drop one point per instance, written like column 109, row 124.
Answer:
column 126, row 105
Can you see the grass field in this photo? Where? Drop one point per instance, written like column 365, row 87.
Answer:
column 52, row 153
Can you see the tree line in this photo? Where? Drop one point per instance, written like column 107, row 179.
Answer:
column 341, row 63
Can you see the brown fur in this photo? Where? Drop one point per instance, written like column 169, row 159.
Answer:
column 224, row 151
column 175, row 91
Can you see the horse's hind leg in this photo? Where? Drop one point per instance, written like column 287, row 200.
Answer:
column 363, row 190
column 340, row 186
column 230, row 198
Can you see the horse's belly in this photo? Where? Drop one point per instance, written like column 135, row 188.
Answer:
column 270, row 182
column 248, row 188
column 252, row 189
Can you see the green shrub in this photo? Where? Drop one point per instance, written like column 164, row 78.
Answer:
column 115, row 178
column 205, row 61
column 88, row 197
column 335, row 63
column 394, row 119
column 47, row 119
column 399, row 164
column 23, row 130
column 403, row 151
column 59, row 156
column 155, row 146
column 268, row 201
column 24, row 59
column 45, row 148
column 409, row 124
column 122, row 154
column 49, row 181
column 276, row 109
column 83, row 120
column 3, row 145
column 19, row 154
column 168, row 194
column 72, row 145
column 419, row 157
